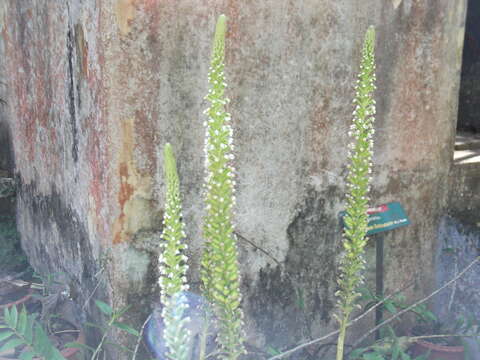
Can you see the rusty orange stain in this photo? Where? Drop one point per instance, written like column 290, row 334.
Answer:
column 82, row 49
column 126, row 189
column 125, row 13
column 124, row 195
column 134, row 195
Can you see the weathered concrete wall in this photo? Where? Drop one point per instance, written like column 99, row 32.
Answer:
column 96, row 88
column 459, row 245
column 464, row 199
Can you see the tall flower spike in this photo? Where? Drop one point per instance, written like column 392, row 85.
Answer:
column 358, row 182
column 176, row 333
column 172, row 261
column 172, row 265
column 219, row 272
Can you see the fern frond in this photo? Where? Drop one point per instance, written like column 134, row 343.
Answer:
column 22, row 329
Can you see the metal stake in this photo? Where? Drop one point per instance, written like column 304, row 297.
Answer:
column 379, row 281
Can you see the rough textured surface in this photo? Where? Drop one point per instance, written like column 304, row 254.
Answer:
column 464, row 199
column 459, row 245
column 96, row 88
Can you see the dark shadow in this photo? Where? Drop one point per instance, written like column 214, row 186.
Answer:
column 469, row 100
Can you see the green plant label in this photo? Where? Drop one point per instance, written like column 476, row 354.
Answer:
column 385, row 217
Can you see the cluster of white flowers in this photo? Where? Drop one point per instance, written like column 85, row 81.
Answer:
column 220, row 274
column 360, row 152
column 172, row 262
column 172, row 266
column 176, row 334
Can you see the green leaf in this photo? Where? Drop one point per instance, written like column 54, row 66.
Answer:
column 122, row 311
column 14, row 317
column 390, row 307
column 27, row 355
column 356, row 353
column 22, row 321
column 6, row 316
column 272, row 351
column 300, row 298
column 56, row 354
column 395, row 352
column 430, row 316
column 5, row 335
column 76, row 345
column 11, row 344
column 126, row 328
column 373, row 356
column 40, row 341
column 28, row 334
column 104, row 308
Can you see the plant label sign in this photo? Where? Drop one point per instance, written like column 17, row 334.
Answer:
column 385, row 217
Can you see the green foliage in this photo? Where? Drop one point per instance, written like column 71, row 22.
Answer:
column 358, row 180
column 113, row 322
column 220, row 273
column 390, row 347
column 394, row 304
column 22, row 329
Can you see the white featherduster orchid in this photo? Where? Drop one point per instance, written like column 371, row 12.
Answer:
column 220, row 273
column 358, row 182
column 173, row 267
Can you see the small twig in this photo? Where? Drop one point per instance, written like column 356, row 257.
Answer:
column 10, row 278
column 415, row 338
column 65, row 332
column 282, row 268
column 140, row 336
column 259, row 248
column 454, row 287
column 96, row 354
column 358, row 318
column 37, row 286
column 415, row 304
column 214, row 353
column 94, row 290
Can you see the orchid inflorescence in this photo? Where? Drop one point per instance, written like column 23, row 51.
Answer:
column 358, row 182
column 220, row 273
column 173, row 266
